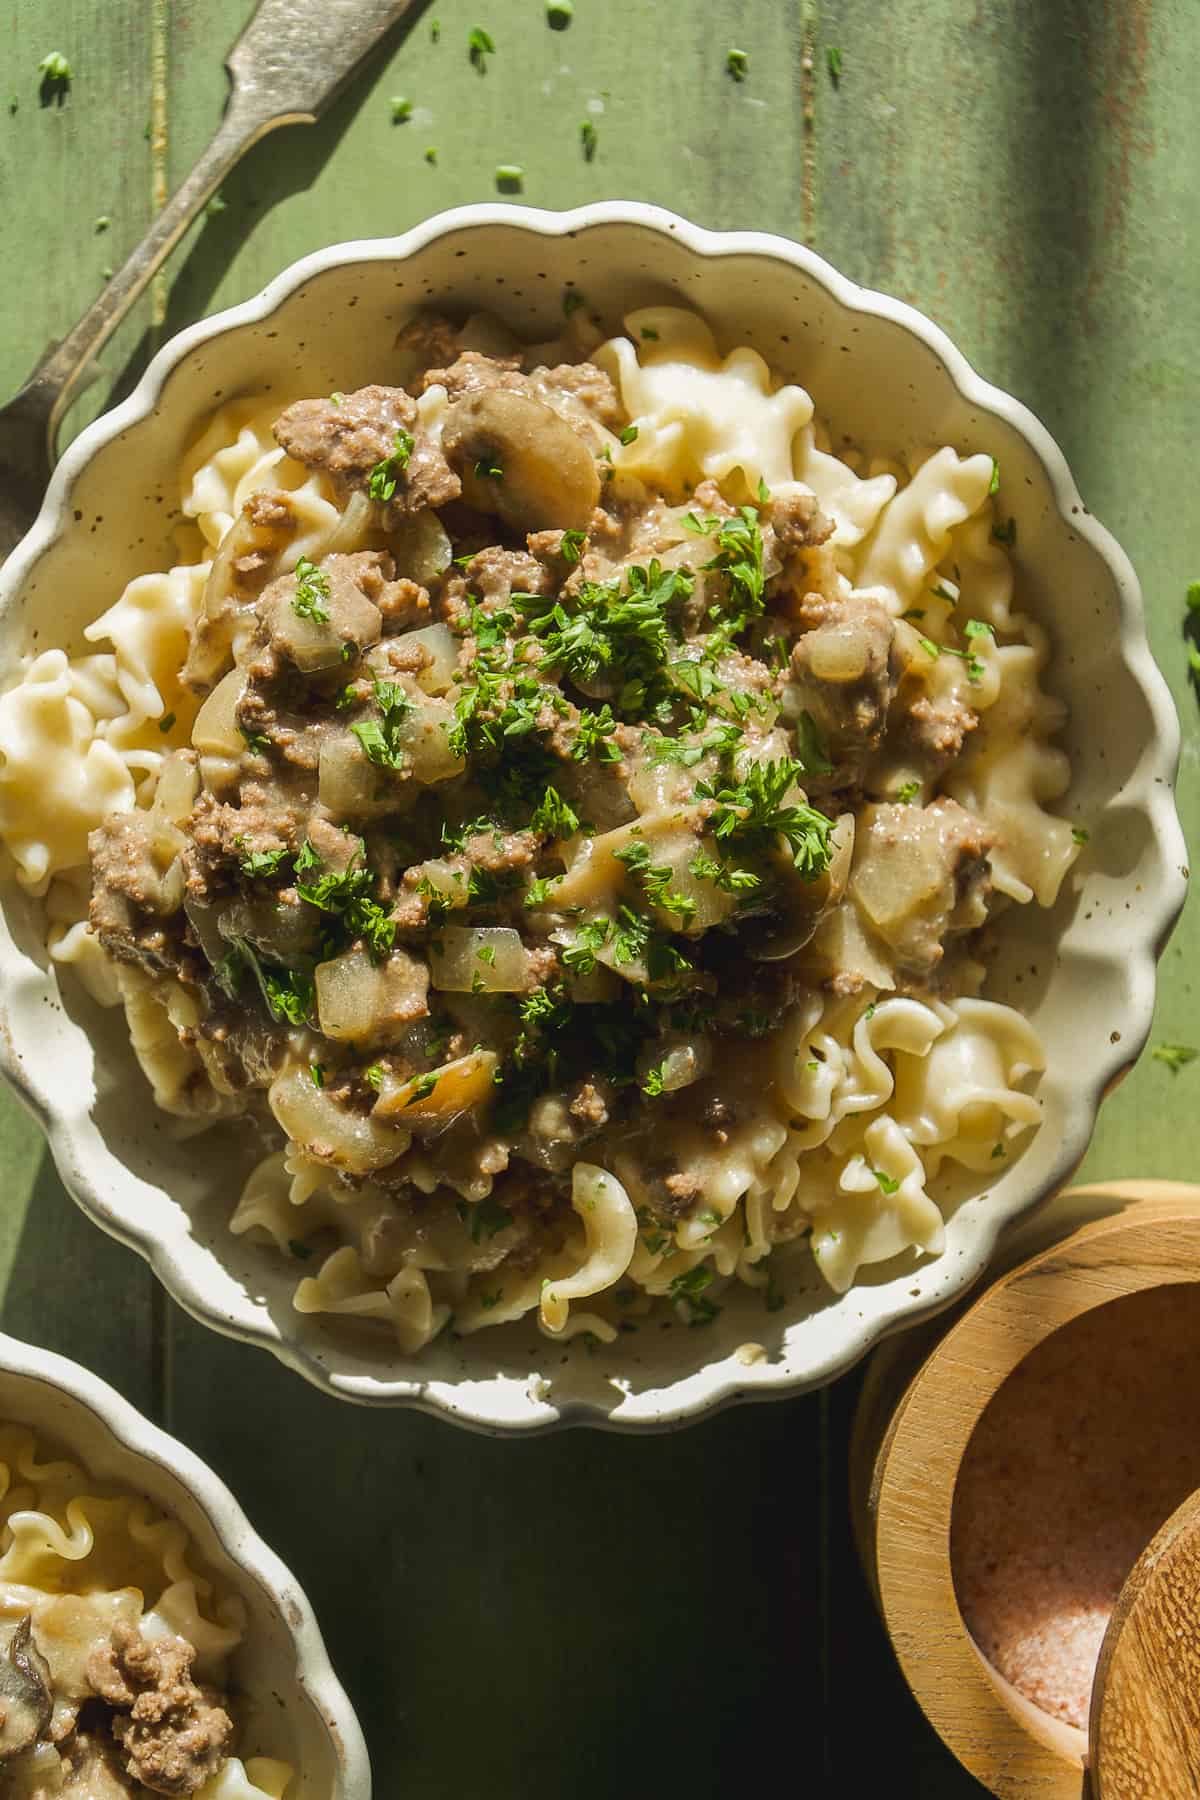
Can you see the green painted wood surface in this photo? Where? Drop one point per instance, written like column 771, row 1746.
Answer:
column 680, row 1615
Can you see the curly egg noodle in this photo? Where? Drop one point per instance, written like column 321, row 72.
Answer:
column 782, row 809
column 80, row 1559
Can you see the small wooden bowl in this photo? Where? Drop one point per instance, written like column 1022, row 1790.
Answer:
column 921, row 1402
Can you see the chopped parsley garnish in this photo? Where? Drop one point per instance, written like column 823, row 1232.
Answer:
column 594, row 737
column 260, row 864
column 978, row 628
column 480, row 46
column 724, row 875
column 994, row 483
column 753, row 810
column 312, row 589
column 833, row 61
column 385, row 474
column 553, row 818
column 655, row 880
column 907, row 792
column 401, row 110
column 602, row 630
column 740, row 557
column 540, row 891
column 422, row 1087
column 998, row 1151
column 653, row 1082
column 580, row 955
column 317, row 1074
column 571, row 548
column 373, row 1076
column 887, row 1183
column 510, row 177
column 1005, row 533
column 484, row 1219
column 811, row 753
column 166, row 723
column 490, row 470
column 587, row 139
column 102, row 224
column 431, row 154
column 346, row 893
column 289, row 993
column 255, row 740
column 1080, row 835
column 380, row 738
column 688, row 1292
column 216, row 206
column 572, row 300
column 1176, row 1056
column 559, row 14
column 629, row 434
column 737, row 62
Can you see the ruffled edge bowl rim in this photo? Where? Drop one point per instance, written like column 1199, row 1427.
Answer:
column 144, row 1442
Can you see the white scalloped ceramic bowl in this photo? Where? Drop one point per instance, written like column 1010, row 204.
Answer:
column 295, row 1708
column 884, row 376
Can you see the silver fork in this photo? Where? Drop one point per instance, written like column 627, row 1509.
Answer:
column 289, row 63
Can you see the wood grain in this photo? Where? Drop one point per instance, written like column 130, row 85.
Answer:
column 1023, row 170
column 1145, row 1729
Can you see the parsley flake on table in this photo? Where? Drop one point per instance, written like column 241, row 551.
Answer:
column 559, row 14
column 1176, row 1056
column 833, row 61
column 55, row 71
column 385, row 474
column 588, row 138
column 431, row 154
column 737, row 63
column 510, row 178
column 480, row 45
column 1193, row 596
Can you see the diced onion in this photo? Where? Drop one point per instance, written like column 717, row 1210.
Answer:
column 485, row 959
column 215, row 732
column 358, row 999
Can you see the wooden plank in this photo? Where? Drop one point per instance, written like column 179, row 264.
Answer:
column 63, row 169
column 1024, row 175
column 561, row 1612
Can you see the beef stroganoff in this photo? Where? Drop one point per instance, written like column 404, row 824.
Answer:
column 114, row 1646
column 560, row 799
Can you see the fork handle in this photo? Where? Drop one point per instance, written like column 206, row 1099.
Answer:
column 48, row 393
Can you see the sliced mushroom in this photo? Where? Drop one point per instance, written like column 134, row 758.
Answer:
column 520, row 461
column 25, row 1698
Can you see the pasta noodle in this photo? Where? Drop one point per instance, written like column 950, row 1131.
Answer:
column 298, row 756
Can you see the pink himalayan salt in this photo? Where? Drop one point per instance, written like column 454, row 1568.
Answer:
column 1079, row 1458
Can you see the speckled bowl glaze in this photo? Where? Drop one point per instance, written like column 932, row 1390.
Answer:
column 882, row 375
column 297, row 1708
